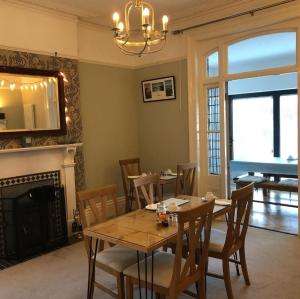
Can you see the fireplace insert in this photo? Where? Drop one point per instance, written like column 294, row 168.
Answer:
column 33, row 222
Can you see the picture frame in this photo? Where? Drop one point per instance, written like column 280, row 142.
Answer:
column 159, row 89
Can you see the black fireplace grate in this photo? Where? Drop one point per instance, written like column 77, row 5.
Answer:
column 32, row 222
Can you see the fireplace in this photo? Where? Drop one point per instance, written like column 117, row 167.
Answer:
column 25, row 169
column 36, row 160
column 32, row 214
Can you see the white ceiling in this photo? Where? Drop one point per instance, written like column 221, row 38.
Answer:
column 100, row 11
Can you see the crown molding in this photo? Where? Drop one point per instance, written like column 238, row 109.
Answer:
column 208, row 15
column 160, row 62
column 133, row 67
column 93, row 26
column 105, row 63
column 41, row 9
column 222, row 11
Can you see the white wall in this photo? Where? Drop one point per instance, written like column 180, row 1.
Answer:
column 37, row 30
column 96, row 45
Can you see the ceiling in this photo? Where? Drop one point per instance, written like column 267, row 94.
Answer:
column 100, row 11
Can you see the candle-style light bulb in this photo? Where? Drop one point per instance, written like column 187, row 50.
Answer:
column 165, row 21
column 149, row 28
column 116, row 18
column 121, row 26
column 146, row 14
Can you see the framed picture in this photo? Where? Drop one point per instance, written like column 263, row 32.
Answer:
column 159, row 89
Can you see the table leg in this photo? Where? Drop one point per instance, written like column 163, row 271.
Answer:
column 146, row 280
column 92, row 264
column 152, row 271
column 139, row 273
column 90, row 267
column 146, row 275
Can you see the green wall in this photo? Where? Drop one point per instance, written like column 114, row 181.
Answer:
column 109, row 119
column 117, row 124
column 163, row 125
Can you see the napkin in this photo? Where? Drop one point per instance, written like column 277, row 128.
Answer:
column 223, row 202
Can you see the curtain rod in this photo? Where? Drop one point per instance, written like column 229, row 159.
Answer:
column 249, row 12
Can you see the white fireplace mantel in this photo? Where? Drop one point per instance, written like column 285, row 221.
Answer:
column 31, row 160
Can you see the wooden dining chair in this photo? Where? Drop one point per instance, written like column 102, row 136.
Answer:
column 147, row 190
column 113, row 260
column 172, row 273
column 129, row 167
column 223, row 245
column 186, row 173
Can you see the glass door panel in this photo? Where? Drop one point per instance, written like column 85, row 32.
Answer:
column 288, row 127
column 252, row 128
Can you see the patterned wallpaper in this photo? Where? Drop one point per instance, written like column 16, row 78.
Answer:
column 74, row 130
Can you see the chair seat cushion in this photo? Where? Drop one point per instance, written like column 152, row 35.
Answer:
column 117, row 257
column 251, row 179
column 217, row 240
column 289, row 182
column 163, row 269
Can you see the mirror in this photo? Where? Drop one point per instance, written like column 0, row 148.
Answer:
column 31, row 102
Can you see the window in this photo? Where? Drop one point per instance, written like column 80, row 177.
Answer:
column 213, row 131
column 212, row 64
column 264, row 125
column 252, row 128
column 262, row 52
column 288, row 126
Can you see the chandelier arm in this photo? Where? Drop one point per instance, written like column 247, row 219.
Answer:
column 144, row 48
column 127, row 52
column 132, row 53
column 126, row 41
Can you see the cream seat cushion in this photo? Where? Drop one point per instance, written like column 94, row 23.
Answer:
column 163, row 269
column 117, row 257
column 217, row 240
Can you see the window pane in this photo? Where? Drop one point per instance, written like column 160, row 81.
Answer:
column 213, row 134
column 252, row 128
column 262, row 52
column 212, row 64
column 288, row 127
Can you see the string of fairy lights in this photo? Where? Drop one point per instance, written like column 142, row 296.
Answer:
column 34, row 86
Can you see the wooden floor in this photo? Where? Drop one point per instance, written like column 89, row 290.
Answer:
column 278, row 218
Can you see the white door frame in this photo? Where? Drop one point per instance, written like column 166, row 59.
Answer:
column 198, row 48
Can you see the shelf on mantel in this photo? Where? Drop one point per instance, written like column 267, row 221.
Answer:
column 39, row 148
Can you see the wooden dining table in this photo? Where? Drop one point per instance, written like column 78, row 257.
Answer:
column 139, row 231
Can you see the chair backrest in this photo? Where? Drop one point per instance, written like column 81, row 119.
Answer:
column 93, row 208
column 93, row 204
column 199, row 221
column 186, row 173
column 238, row 219
column 129, row 167
column 144, row 189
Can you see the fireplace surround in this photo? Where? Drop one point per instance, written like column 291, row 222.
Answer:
column 34, row 160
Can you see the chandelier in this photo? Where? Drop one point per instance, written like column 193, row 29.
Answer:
column 141, row 37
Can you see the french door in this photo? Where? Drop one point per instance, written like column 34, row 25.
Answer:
column 210, row 70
